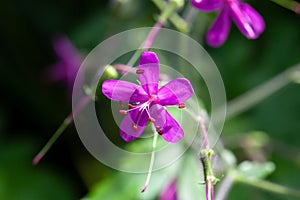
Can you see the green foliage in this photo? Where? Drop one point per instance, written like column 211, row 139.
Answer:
column 252, row 170
column 19, row 180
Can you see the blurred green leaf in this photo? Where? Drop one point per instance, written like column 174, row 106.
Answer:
column 254, row 170
column 191, row 178
column 128, row 186
column 19, row 180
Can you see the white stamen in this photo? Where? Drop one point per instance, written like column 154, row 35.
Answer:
column 151, row 161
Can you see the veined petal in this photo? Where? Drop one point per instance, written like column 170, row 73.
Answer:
column 247, row 19
column 218, row 32
column 149, row 72
column 127, row 130
column 166, row 125
column 139, row 115
column 207, row 5
column 175, row 92
column 119, row 90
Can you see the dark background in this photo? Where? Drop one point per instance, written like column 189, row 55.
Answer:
column 32, row 106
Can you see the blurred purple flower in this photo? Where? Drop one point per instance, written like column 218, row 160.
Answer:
column 69, row 61
column 147, row 102
column 246, row 18
column 169, row 192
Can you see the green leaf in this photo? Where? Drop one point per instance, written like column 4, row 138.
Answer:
column 128, row 186
column 19, row 179
column 191, row 179
column 253, row 170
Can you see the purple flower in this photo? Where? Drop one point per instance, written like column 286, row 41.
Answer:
column 169, row 192
column 68, row 64
column 248, row 20
column 147, row 102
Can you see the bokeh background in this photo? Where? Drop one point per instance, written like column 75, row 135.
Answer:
column 33, row 103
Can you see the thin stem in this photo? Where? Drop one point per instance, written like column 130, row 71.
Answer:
column 261, row 92
column 206, row 157
column 167, row 11
column 60, row 130
column 203, row 133
column 147, row 43
column 151, row 161
column 152, row 35
column 175, row 19
column 224, row 188
column 268, row 186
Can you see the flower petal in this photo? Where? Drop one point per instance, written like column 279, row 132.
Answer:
column 218, row 32
column 169, row 192
column 127, row 130
column 207, row 5
column 119, row 90
column 257, row 22
column 149, row 68
column 175, row 92
column 247, row 19
column 139, row 116
column 165, row 124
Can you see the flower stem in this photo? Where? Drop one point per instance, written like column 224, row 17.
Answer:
column 151, row 161
column 60, row 130
column 206, row 157
column 175, row 19
column 261, row 92
column 166, row 12
column 203, row 133
column 266, row 185
column 224, row 188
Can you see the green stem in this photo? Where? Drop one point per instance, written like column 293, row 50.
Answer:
column 51, row 141
column 175, row 19
column 268, row 186
column 60, row 130
column 261, row 92
column 206, row 156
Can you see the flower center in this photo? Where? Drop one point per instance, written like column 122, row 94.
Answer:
column 143, row 107
column 153, row 98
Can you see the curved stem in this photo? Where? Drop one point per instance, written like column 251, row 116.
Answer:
column 60, row 130
column 268, row 186
column 261, row 92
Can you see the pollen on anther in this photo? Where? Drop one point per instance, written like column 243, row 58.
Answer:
column 130, row 106
column 123, row 112
column 151, row 119
column 134, row 126
column 139, row 71
column 181, row 105
column 158, row 130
